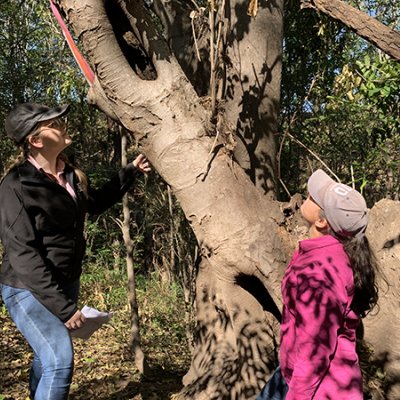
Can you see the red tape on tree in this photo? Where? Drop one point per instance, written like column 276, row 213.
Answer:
column 82, row 63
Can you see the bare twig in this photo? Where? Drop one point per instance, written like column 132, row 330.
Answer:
column 284, row 186
column 212, row 60
column 192, row 17
column 206, row 167
column 313, row 154
column 219, row 36
column 118, row 222
column 288, row 134
column 196, row 5
column 291, row 122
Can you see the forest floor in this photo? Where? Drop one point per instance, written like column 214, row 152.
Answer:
column 104, row 368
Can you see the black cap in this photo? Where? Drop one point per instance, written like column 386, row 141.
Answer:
column 24, row 117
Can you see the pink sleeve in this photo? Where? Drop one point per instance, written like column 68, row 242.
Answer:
column 319, row 316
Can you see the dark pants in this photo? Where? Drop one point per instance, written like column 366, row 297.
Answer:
column 275, row 389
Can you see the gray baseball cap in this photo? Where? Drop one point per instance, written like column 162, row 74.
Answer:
column 22, row 120
column 345, row 209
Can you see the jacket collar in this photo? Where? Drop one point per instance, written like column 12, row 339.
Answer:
column 29, row 173
column 317, row 243
column 60, row 165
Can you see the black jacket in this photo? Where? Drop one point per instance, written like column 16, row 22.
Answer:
column 41, row 227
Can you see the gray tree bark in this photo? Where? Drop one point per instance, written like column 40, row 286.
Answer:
column 248, row 74
column 381, row 36
column 235, row 225
column 381, row 327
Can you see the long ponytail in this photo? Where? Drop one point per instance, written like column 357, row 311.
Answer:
column 23, row 152
column 17, row 160
column 365, row 270
column 82, row 178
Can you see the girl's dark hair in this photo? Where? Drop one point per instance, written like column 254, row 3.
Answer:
column 365, row 270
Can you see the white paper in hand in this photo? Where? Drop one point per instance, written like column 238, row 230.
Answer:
column 94, row 320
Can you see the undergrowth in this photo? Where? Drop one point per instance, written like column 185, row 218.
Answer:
column 161, row 312
column 104, row 367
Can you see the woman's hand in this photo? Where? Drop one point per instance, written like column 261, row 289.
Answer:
column 141, row 163
column 76, row 321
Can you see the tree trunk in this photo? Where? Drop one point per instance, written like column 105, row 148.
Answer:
column 248, row 74
column 386, row 39
column 177, row 23
column 235, row 225
column 243, row 244
column 251, row 93
column 382, row 326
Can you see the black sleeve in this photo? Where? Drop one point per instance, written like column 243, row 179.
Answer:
column 101, row 199
column 21, row 247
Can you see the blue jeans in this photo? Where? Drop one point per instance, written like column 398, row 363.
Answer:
column 275, row 389
column 53, row 355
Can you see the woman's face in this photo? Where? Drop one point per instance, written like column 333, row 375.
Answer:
column 54, row 135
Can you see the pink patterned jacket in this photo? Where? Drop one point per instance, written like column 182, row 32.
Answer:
column 318, row 330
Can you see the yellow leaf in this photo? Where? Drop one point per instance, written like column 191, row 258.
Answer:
column 350, row 95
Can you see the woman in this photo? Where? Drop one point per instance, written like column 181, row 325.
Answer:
column 328, row 287
column 43, row 203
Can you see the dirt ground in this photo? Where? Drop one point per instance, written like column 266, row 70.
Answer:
column 103, row 367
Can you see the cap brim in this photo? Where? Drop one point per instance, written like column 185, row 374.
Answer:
column 54, row 113
column 317, row 185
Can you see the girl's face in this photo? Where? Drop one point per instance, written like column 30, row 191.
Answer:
column 311, row 212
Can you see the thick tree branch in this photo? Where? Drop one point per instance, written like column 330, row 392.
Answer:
column 386, row 39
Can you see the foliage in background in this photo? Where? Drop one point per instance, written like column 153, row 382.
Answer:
column 341, row 101
column 163, row 328
column 163, row 241
column 35, row 64
column 364, row 110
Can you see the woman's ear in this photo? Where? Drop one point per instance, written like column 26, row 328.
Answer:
column 35, row 141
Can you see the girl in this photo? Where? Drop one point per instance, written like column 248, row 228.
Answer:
column 43, row 203
column 328, row 286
